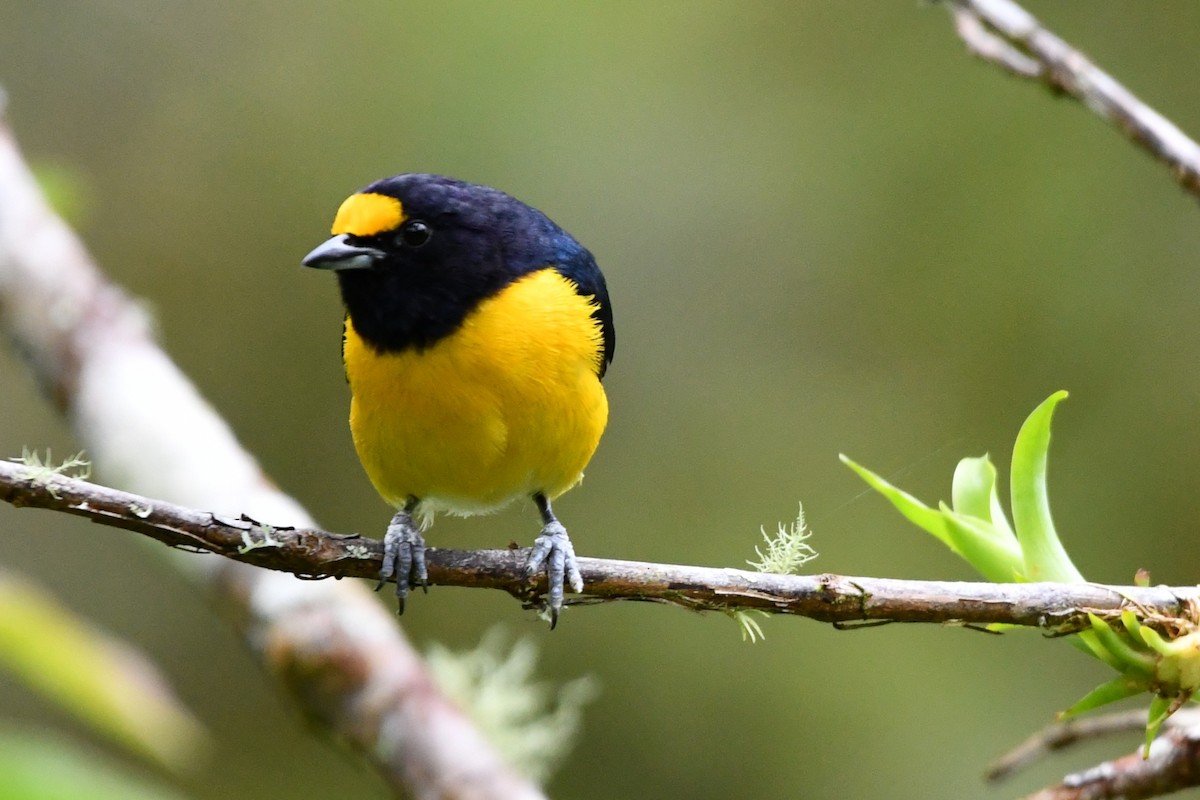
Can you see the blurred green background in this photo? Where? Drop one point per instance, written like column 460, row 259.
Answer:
column 825, row 229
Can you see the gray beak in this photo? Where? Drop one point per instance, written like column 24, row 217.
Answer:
column 338, row 254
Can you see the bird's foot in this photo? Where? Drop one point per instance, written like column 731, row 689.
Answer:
column 553, row 550
column 403, row 557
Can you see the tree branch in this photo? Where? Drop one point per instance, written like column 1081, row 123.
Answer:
column 1170, row 767
column 307, row 552
column 1002, row 32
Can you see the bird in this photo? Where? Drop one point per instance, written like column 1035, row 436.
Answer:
column 475, row 339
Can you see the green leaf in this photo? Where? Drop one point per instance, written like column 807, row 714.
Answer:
column 913, row 509
column 1154, row 639
column 35, row 766
column 1161, row 708
column 975, row 492
column 971, row 490
column 1131, row 623
column 1088, row 642
column 96, row 678
column 1119, row 654
column 1045, row 558
column 1111, row 691
column 996, row 557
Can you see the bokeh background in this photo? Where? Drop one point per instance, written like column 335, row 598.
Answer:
column 825, row 229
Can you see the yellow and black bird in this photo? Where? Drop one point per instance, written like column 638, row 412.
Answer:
column 476, row 335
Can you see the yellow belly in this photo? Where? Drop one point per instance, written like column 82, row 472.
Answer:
column 508, row 405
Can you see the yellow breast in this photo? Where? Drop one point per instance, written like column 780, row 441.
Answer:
column 508, row 405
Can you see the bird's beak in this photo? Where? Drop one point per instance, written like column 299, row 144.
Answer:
column 337, row 254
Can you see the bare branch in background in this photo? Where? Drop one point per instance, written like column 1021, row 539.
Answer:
column 146, row 428
column 1170, row 767
column 1167, row 770
column 1069, row 732
column 1003, row 33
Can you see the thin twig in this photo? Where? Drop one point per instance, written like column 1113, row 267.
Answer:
column 1002, row 32
column 1061, row 735
column 1053, row 607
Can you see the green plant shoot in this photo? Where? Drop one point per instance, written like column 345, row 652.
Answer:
column 1151, row 654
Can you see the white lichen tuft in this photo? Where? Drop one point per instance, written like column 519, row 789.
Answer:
column 787, row 551
column 267, row 540
column 358, row 551
column 41, row 470
column 532, row 723
column 751, row 631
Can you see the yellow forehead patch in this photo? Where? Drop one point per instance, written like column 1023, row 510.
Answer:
column 368, row 214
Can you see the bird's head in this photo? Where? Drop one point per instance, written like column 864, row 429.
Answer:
column 417, row 222
column 415, row 253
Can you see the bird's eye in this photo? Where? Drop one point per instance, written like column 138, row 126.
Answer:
column 414, row 233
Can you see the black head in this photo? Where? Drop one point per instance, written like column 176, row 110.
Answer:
column 416, row 253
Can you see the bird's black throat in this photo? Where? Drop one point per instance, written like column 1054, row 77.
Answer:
column 398, row 310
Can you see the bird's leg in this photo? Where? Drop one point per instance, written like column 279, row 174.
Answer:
column 553, row 549
column 404, row 555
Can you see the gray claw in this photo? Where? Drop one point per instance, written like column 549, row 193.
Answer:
column 403, row 557
column 554, row 550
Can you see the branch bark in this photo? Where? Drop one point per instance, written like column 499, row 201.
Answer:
column 308, row 552
column 343, row 657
